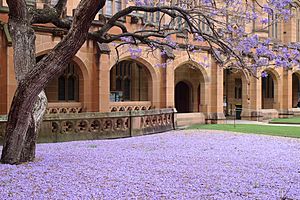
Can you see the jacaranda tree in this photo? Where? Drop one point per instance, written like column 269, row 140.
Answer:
column 226, row 36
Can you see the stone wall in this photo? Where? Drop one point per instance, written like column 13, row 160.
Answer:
column 187, row 119
column 90, row 126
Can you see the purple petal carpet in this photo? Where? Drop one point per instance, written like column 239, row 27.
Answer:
column 172, row 165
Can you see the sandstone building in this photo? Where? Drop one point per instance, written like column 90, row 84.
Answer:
column 94, row 82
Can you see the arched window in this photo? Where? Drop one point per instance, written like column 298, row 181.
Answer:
column 129, row 82
column 68, row 85
column 65, row 87
column 268, row 87
column 274, row 26
column 61, row 88
column 122, row 81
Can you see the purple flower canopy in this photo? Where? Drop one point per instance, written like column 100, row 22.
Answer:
column 231, row 29
column 173, row 165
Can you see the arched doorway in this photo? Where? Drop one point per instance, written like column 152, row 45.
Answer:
column 182, row 97
column 268, row 91
column 190, row 81
column 296, row 90
column 234, row 91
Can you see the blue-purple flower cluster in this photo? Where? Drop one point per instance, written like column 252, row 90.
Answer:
column 173, row 165
column 240, row 44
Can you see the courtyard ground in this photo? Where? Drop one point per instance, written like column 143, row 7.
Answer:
column 192, row 164
column 293, row 120
column 285, row 130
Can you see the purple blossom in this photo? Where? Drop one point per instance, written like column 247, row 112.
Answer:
column 173, row 165
column 264, row 21
column 135, row 52
column 264, row 74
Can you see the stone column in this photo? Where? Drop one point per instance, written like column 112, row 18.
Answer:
column 278, row 93
column 255, row 98
column 104, row 83
column 215, row 107
column 170, row 86
column 246, row 98
column 287, row 94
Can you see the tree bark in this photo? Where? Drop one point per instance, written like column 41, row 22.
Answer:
column 21, row 129
column 24, row 60
column 28, row 151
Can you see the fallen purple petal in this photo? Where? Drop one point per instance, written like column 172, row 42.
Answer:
column 172, row 165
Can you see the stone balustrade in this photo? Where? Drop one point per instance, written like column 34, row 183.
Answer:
column 129, row 105
column 64, row 107
column 88, row 126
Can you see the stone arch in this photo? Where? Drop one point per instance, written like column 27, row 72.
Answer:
column 273, row 101
column 295, row 88
column 196, row 65
column 141, row 61
column 236, row 91
column 83, row 77
column 245, row 74
column 273, row 72
column 195, row 75
column 76, row 59
column 183, row 96
column 153, row 83
column 297, row 73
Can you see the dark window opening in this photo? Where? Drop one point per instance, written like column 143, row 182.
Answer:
column 68, row 85
column 268, row 87
column 238, row 89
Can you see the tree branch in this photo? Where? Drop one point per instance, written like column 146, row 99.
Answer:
column 51, row 15
column 17, row 8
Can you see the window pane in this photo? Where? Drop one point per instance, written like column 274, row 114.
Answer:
column 127, row 90
column 118, row 6
column 61, row 88
column 71, row 88
column 119, row 84
column 30, row 2
column 54, row 2
column 108, row 7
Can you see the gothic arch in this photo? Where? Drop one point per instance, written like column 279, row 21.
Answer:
column 276, row 96
column 143, row 62
column 196, row 75
column 153, row 83
column 196, row 65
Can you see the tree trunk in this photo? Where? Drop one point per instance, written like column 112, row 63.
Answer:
column 19, row 121
column 28, row 151
column 22, row 125
column 24, row 60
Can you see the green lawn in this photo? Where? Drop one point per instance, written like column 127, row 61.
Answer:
column 293, row 120
column 285, row 131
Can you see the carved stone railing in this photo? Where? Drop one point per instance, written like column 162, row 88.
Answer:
column 64, row 107
column 89, row 126
column 66, row 127
column 152, row 121
column 129, row 106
